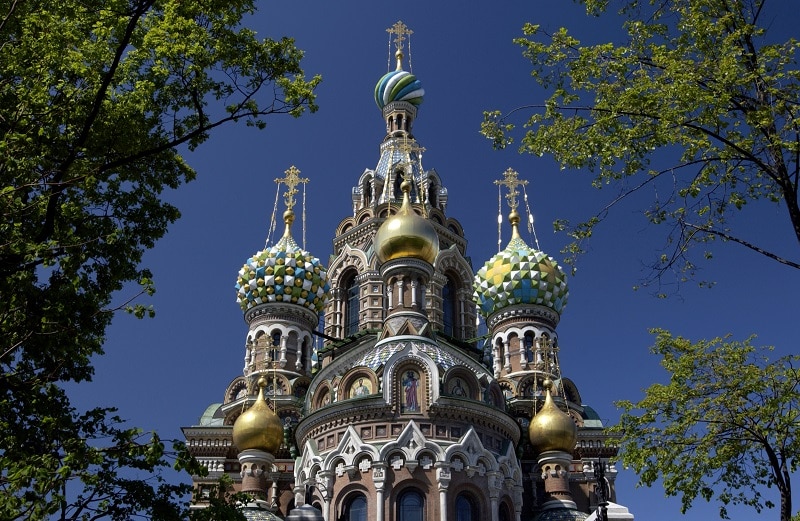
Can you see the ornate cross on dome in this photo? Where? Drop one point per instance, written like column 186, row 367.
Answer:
column 400, row 30
column 511, row 181
column 291, row 181
column 407, row 147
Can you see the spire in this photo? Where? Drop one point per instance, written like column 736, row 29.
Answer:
column 400, row 30
column 291, row 180
column 511, row 181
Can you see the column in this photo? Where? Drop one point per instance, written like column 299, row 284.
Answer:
column 284, row 340
column 400, row 299
column 493, row 482
column 299, row 495
column 379, row 479
column 443, row 482
column 497, row 355
column 414, row 294
column 324, row 484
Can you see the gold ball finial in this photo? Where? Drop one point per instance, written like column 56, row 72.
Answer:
column 258, row 427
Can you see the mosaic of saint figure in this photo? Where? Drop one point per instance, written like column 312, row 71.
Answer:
column 360, row 388
column 411, row 392
column 458, row 389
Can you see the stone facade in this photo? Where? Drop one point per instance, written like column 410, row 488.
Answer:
column 403, row 409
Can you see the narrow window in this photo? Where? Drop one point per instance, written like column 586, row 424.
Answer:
column 529, row 346
column 448, row 308
column 352, row 307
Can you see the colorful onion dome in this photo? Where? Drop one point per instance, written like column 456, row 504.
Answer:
column 406, row 234
column 520, row 275
column 398, row 85
column 551, row 428
column 258, row 427
column 283, row 273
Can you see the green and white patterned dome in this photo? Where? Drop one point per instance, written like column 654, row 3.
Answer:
column 283, row 273
column 520, row 275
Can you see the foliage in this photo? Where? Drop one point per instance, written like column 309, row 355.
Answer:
column 95, row 99
column 724, row 425
column 698, row 106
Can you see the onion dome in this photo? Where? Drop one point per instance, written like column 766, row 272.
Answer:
column 283, row 273
column 258, row 427
column 398, row 85
column 520, row 275
column 551, row 428
column 406, row 234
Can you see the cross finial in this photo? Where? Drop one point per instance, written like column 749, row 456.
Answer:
column 400, row 30
column 511, row 181
column 407, row 146
column 291, row 181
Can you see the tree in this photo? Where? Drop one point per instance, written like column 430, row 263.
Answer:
column 96, row 98
column 699, row 106
column 725, row 425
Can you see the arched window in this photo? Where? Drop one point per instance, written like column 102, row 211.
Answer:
column 356, row 509
column 466, row 508
column 504, row 513
column 352, row 306
column 367, row 192
column 398, row 180
column 304, row 349
column 433, row 191
column 411, row 506
column 449, row 308
column 276, row 344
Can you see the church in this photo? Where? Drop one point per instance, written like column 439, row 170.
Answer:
column 399, row 383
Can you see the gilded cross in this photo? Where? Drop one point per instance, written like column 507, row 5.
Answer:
column 291, row 181
column 407, row 147
column 400, row 30
column 511, row 181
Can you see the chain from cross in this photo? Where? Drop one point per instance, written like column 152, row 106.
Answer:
column 291, row 181
column 511, row 181
column 400, row 30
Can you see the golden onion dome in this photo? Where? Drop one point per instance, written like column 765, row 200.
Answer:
column 258, row 427
column 406, row 234
column 551, row 428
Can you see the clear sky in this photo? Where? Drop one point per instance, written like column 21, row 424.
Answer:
column 163, row 372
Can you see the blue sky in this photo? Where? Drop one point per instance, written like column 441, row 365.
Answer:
column 163, row 372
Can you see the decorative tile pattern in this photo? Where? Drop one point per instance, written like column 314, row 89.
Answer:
column 520, row 275
column 378, row 357
column 283, row 273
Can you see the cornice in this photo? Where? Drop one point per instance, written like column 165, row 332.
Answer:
column 517, row 312
column 277, row 311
